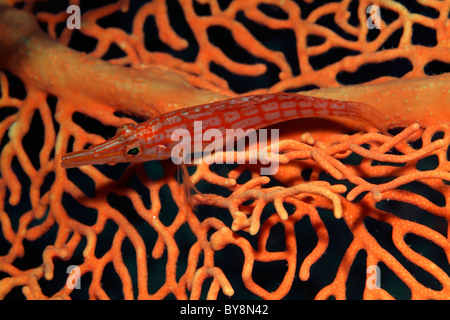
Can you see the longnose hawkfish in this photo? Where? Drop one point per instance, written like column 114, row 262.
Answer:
column 151, row 140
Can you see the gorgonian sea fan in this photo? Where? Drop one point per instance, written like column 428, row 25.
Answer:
column 127, row 227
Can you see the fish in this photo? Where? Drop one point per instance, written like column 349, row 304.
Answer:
column 152, row 139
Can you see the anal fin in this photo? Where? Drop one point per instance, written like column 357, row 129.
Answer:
column 188, row 185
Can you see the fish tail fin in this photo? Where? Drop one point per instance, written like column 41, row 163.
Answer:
column 366, row 113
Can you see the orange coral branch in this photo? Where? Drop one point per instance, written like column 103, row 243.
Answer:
column 126, row 222
column 421, row 100
column 84, row 79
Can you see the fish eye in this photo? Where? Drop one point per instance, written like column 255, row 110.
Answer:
column 133, row 151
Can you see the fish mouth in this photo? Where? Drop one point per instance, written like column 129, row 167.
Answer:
column 107, row 152
column 77, row 158
column 87, row 157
